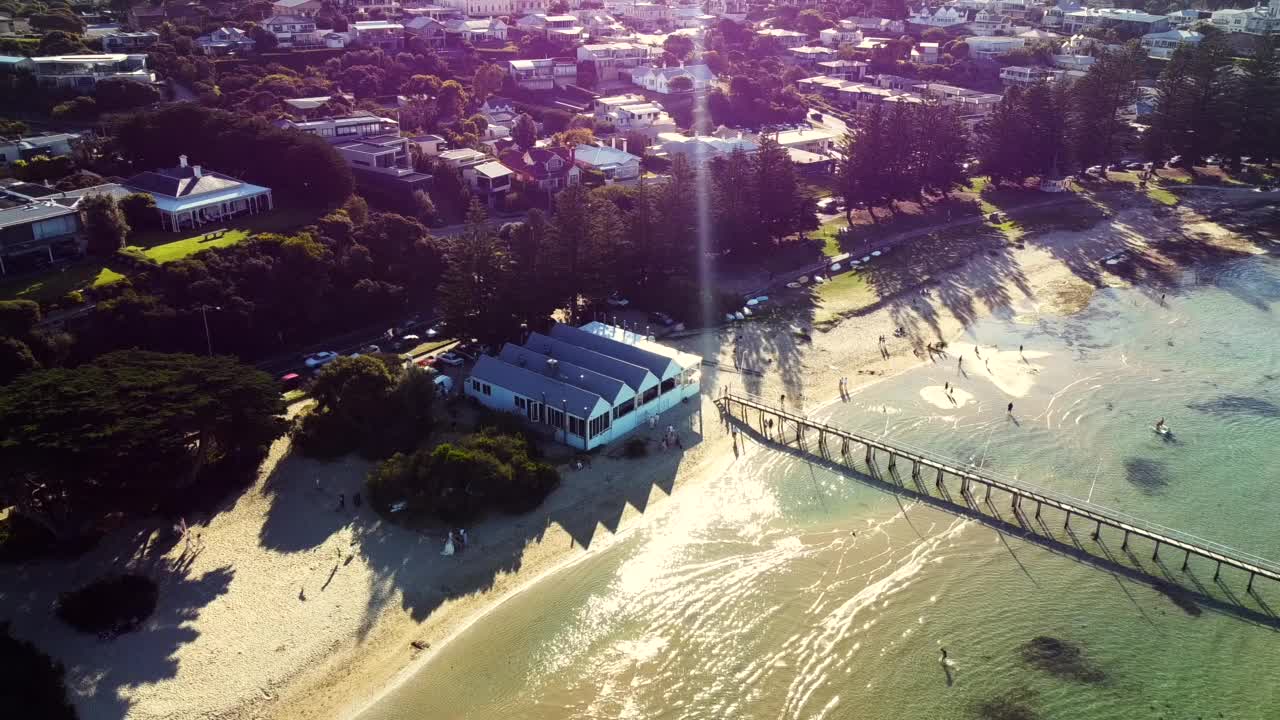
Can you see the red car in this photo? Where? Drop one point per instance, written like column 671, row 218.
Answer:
column 428, row 361
column 290, row 381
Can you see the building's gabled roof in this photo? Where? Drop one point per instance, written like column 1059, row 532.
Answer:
column 597, row 156
column 537, row 386
column 492, row 170
column 32, row 212
column 636, row 377
column 535, row 161
column 662, row 367
column 611, row 389
column 699, row 73
column 291, row 3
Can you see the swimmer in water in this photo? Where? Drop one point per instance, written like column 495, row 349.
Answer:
column 1160, row 425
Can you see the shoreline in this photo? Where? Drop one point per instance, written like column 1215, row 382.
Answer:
column 333, row 650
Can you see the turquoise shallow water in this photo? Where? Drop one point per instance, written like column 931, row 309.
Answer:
column 751, row 596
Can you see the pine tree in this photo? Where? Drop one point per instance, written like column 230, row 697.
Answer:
column 866, row 149
column 1194, row 102
column 1256, row 128
column 472, row 289
column 1097, row 131
column 1001, row 140
column 944, row 146
column 783, row 208
column 1044, row 140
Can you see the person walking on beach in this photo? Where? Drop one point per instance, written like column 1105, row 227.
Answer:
column 782, row 400
column 1010, row 411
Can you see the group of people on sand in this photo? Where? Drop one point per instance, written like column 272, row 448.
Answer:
column 455, row 543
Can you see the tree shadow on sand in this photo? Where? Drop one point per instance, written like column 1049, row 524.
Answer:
column 407, row 562
column 101, row 669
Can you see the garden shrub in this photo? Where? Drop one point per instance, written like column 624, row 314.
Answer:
column 113, row 604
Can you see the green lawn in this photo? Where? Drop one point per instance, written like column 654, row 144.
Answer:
column 827, row 234
column 846, row 292
column 163, row 247
column 427, row 347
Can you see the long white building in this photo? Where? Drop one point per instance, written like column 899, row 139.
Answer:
column 590, row 385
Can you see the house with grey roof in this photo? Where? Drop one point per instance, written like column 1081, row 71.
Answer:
column 25, row 148
column 588, row 385
column 659, row 79
column 188, row 196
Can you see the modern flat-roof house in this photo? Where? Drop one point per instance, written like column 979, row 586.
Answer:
column 294, row 31
column 463, row 158
column 1024, row 75
column 187, row 197
column 559, row 29
column 993, row 46
column 609, row 59
column 806, row 56
column 926, row 53
column 589, row 386
column 814, row 140
column 1162, row 45
column 373, row 148
column 543, row 74
column 632, row 111
column 389, row 36
column 844, row 69
column 1134, row 22
column 659, row 80
column 127, row 42
column 489, row 181
column 82, row 72
column 784, row 38
column 37, row 230
column 51, row 145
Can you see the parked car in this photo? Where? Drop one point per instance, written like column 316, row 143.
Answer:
column 315, row 361
column 451, row 359
column 371, row 349
column 437, row 330
column 407, row 341
column 444, row 385
column 662, row 319
column 290, row 381
column 617, row 300
column 829, row 205
column 428, row 361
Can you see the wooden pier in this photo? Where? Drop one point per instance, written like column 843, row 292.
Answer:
column 786, row 428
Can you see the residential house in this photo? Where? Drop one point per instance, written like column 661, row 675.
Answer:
column 809, row 56
column 489, row 182
column 837, row 36
column 1162, row 45
column 632, row 113
column 824, row 85
column 989, row 21
column 26, row 148
column 812, row 139
column 698, row 149
column 388, row 36
column 874, row 24
column 991, row 47
column 1074, row 62
column 477, row 31
column 587, row 386
column 784, row 38
column 844, row 69
column 82, row 72
column 463, row 158
column 32, row 231
column 1026, row 76
column 389, row 8
column 293, row 31
column 427, row 29
column 1124, row 20
column 311, row 106
column 614, row 163
column 1039, row 36
column 558, row 29
column 127, row 42
column 647, row 15
column 187, row 197
column 863, row 97
column 226, row 41
column 347, row 127
column 145, row 16
column 691, row 17
column 500, row 115
column 297, row 8
column 543, row 74
column 434, row 12
column 382, row 164
column 925, row 53
column 600, row 25
column 545, row 168
column 1183, row 19
column 484, row 8
column 1055, row 16
column 659, row 80
column 429, row 145
column 609, row 60
column 1258, row 20
column 942, row 17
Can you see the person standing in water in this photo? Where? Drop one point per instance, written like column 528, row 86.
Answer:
column 1160, row 425
column 1011, row 409
column 944, row 656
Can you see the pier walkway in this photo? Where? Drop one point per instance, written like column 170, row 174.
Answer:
column 787, row 428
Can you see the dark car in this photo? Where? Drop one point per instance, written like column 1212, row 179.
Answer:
column 662, row 319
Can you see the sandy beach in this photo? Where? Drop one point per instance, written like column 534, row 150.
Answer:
column 283, row 606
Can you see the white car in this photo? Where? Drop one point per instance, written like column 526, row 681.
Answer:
column 320, row 359
column 452, row 359
column 617, row 300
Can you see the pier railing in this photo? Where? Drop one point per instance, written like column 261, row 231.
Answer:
column 746, row 409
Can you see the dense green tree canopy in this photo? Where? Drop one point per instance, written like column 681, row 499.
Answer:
column 128, row 431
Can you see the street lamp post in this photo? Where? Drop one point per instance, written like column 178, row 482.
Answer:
column 204, row 315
